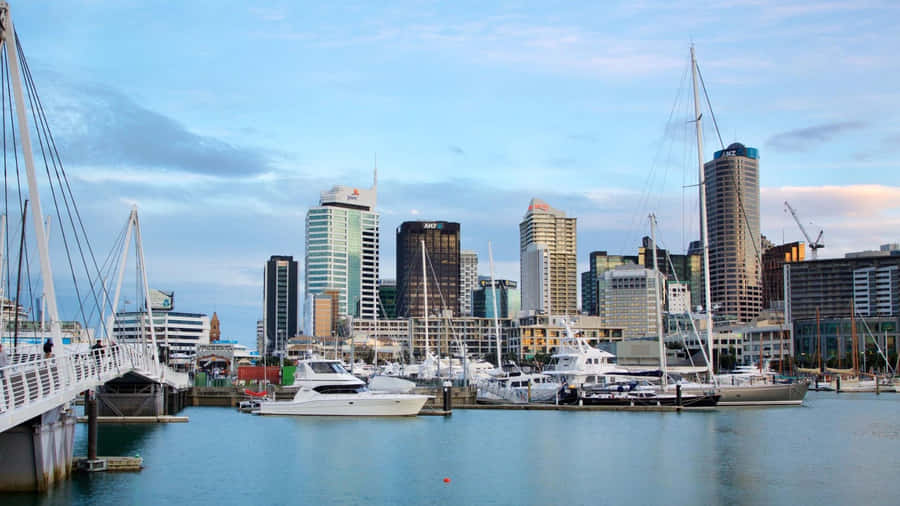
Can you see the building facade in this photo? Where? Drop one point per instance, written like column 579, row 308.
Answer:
column 506, row 292
column 535, row 271
column 280, row 302
column 550, row 227
column 732, row 208
column 627, row 299
column 773, row 261
column 387, row 298
column 441, row 239
column 181, row 331
column 468, row 280
column 599, row 262
column 342, row 249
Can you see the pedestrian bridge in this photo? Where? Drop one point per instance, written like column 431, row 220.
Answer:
column 33, row 386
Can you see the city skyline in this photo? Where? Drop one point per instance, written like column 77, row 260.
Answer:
column 471, row 117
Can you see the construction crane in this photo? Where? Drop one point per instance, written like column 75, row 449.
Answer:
column 813, row 245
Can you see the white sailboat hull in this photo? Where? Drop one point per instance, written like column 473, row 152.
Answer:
column 362, row 404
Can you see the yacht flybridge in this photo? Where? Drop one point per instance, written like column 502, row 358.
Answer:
column 327, row 389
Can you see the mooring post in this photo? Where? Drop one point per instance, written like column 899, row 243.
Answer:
column 90, row 405
column 678, row 395
column 838, row 384
column 448, row 401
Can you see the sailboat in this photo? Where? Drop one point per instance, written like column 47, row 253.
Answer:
column 744, row 394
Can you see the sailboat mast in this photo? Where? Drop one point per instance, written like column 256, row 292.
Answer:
column 425, row 285
column 704, row 233
column 494, row 297
column 656, row 283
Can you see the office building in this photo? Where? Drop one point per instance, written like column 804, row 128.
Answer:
column 387, row 297
column 627, row 299
column 441, row 239
column 280, row 294
column 732, row 208
column 599, row 262
column 507, row 298
column 678, row 268
column 180, row 332
column 773, row 261
column 342, row 248
column 550, row 227
column 468, row 279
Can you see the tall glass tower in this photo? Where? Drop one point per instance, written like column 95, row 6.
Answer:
column 732, row 205
column 342, row 248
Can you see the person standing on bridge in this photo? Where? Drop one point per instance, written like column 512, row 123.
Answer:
column 97, row 350
column 48, row 348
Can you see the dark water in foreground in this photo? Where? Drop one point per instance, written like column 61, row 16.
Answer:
column 835, row 450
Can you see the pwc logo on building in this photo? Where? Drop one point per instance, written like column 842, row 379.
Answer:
column 354, row 195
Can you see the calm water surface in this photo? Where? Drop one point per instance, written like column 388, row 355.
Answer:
column 835, row 450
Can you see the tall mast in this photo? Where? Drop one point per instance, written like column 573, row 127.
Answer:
column 494, row 297
column 704, row 233
column 425, row 288
column 656, row 283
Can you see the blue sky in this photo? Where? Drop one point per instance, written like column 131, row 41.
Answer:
column 224, row 120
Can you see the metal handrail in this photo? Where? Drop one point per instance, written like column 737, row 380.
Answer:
column 26, row 384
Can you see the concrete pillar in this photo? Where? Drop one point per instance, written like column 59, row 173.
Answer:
column 37, row 453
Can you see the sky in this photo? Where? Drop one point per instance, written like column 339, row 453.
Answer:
column 223, row 121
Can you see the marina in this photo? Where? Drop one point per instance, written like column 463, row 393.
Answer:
column 495, row 456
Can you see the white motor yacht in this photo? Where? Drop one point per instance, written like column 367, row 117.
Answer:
column 327, row 389
column 513, row 386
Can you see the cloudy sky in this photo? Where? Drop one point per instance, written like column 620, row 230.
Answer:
column 224, row 120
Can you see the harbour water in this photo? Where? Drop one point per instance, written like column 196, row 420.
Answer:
column 836, row 449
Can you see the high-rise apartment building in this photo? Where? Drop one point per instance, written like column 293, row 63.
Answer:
column 599, row 263
column 280, row 294
column 342, row 248
column 732, row 208
column 468, row 280
column 545, row 225
column 441, row 240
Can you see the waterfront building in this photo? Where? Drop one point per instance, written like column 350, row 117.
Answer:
column 550, row 227
column 532, row 334
column 468, row 280
column 215, row 333
column 387, row 298
column 767, row 338
column 508, row 300
column 441, row 240
column 829, row 286
column 627, row 299
column 732, row 208
column 280, row 302
column 323, row 324
column 773, row 261
column 599, row 262
column 535, row 272
column 182, row 332
column 342, row 248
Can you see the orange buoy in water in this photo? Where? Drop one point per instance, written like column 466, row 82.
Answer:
column 446, row 480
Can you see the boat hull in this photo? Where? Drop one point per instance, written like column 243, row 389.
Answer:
column 348, row 405
column 687, row 401
column 780, row 394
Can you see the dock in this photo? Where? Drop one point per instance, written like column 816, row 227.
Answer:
column 137, row 419
column 112, row 464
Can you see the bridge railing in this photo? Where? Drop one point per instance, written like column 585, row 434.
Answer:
column 25, row 383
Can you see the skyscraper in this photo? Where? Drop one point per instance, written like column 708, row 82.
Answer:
column 468, row 280
column 280, row 300
column 507, row 294
column 342, row 243
column 535, row 271
column 732, row 207
column 442, row 266
column 545, row 225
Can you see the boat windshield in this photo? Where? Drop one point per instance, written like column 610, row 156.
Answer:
column 327, row 368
